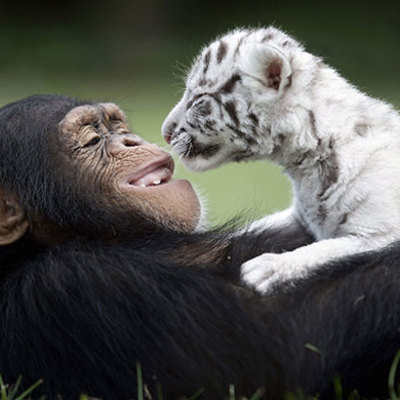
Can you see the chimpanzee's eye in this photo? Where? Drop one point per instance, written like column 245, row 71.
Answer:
column 93, row 141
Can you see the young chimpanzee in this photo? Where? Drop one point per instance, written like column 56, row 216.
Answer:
column 102, row 267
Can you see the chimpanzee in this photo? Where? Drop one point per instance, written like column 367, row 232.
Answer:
column 102, row 267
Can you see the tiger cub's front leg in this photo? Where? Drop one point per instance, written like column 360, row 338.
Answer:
column 269, row 270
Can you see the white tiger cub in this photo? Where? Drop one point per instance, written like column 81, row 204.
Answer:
column 257, row 94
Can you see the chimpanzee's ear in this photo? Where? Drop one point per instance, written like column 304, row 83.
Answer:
column 267, row 64
column 13, row 221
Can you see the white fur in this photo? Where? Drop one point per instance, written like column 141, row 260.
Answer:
column 340, row 148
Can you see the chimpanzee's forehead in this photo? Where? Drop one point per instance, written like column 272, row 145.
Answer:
column 91, row 114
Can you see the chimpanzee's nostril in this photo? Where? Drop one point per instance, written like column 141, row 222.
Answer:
column 129, row 143
column 132, row 140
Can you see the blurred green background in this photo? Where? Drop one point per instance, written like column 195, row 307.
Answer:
column 135, row 53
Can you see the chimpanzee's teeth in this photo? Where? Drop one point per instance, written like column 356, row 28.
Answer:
column 155, row 183
column 153, row 177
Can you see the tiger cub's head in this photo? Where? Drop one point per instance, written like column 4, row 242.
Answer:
column 231, row 91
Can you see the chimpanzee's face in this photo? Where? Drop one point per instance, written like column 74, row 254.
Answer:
column 129, row 173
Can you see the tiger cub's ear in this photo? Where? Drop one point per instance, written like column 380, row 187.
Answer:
column 268, row 65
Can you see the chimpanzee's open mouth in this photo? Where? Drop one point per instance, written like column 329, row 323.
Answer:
column 156, row 173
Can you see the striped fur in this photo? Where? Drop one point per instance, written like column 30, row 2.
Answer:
column 258, row 94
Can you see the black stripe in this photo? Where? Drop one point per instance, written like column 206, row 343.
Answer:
column 268, row 37
column 313, row 124
column 231, row 110
column 253, row 118
column 222, row 50
column 207, row 58
column 228, row 86
column 210, row 125
column 204, row 109
column 238, row 46
column 190, row 102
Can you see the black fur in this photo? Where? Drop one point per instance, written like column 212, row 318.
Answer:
column 82, row 313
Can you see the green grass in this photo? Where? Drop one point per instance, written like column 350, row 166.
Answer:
column 10, row 392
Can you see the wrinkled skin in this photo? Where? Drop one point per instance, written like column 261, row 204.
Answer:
column 124, row 168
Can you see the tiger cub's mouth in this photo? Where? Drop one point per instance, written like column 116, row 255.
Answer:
column 192, row 148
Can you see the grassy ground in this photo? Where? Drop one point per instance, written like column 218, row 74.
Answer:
column 12, row 392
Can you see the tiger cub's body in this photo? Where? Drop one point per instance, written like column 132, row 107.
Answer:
column 257, row 94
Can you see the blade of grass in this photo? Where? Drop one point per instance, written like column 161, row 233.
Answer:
column 337, row 384
column 354, row 395
column 231, row 392
column 159, row 392
column 139, row 380
column 313, row 348
column 14, row 390
column 392, row 377
column 3, row 389
column 29, row 390
column 258, row 394
column 196, row 394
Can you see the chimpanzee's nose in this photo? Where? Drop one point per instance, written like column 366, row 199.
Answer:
column 117, row 143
